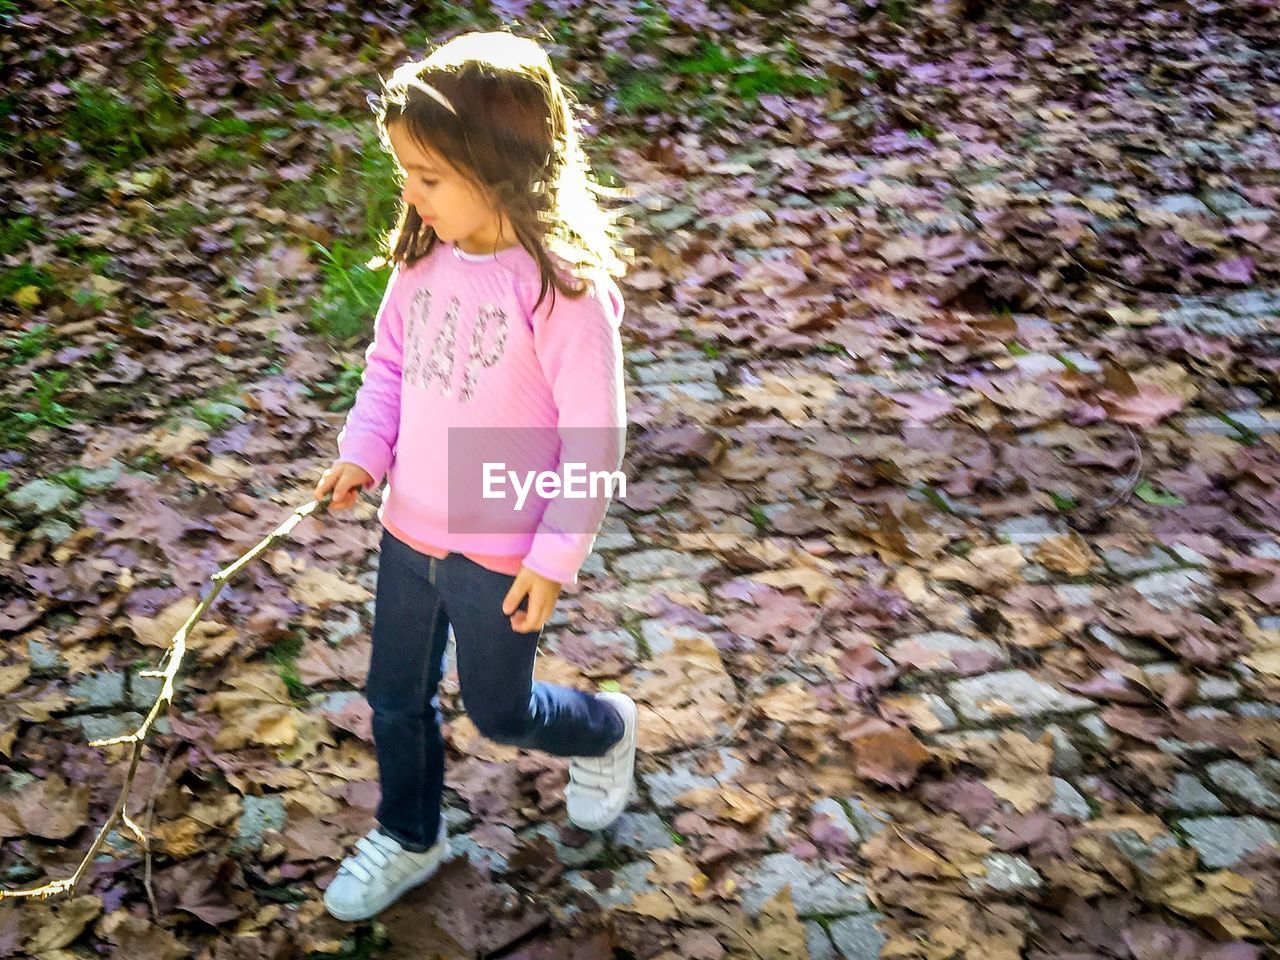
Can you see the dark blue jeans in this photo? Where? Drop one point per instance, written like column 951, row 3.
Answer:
column 418, row 598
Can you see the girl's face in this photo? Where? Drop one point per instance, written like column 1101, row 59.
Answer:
column 446, row 200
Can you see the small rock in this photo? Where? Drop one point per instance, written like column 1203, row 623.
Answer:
column 484, row 859
column 369, row 578
column 11, row 781
column 45, row 660
column 640, row 832
column 646, row 565
column 1225, row 841
column 1255, row 708
column 640, row 355
column 839, row 818
column 1083, row 364
column 1139, row 852
column 1173, row 588
column 814, row 887
column 1124, row 564
column 1101, row 734
column 335, row 701
column 1237, row 779
column 570, row 856
column 1218, row 688
column 1011, row 693
column 857, row 938
column 54, row 531
column 677, row 392
column 1038, row 364
column 104, row 726
column 1036, row 572
column 940, row 715
column 628, row 881
column 42, row 497
column 594, row 567
column 946, row 645
column 1066, row 761
column 1190, row 795
column 867, row 820
column 100, row 691
column 259, row 814
column 635, row 596
column 1076, row 594
column 1068, row 801
column 1224, row 201
column 817, row 942
column 457, row 820
column 661, row 636
column 1257, row 421
column 665, row 785
column 344, row 624
column 676, row 371
column 1131, row 648
column 779, row 830
column 1188, row 555
column 1007, row 873
column 608, row 540
column 1182, row 204
column 1213, row 425
column 143, row 691
column 103, row 478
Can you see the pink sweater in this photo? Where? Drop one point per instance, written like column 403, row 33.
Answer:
column 456, row 343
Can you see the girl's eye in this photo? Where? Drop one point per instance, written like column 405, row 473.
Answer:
column 426, row 182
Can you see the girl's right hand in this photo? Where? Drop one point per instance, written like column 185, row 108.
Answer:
column 345, row 480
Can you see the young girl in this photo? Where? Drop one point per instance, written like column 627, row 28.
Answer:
column 497, row 338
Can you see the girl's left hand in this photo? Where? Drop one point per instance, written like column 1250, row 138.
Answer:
column 543, row 593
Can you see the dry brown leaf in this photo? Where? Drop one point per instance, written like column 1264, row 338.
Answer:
column 891, row 757
column 60, row 922
column 671, row 866
column 1067, row 554
column 318, row 588
column 982, row 568
column 791, row 703
column 208, row 637
column 817, row 586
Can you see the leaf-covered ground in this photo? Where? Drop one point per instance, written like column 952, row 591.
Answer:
column 947, row 575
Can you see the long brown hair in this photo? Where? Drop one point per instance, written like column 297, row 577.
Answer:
column 492, row 106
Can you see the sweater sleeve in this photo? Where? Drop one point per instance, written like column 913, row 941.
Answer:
column 579, row 348
column 368, row 438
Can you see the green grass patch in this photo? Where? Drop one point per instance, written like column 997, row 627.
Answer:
column 27, row 345
column 38, row 406
column 117, row 128
column 349, row 294
column 284, row 654
column 25, row 275
column 1063, row 502
column 341, row 390
column 16, row 233
column 746, row 79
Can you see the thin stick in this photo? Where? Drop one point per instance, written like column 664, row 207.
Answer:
column 176, row 651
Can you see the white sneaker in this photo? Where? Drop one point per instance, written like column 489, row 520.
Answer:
column 379, row 873
column 599, row 787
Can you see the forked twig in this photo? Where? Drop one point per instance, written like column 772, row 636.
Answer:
column 176, row 651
